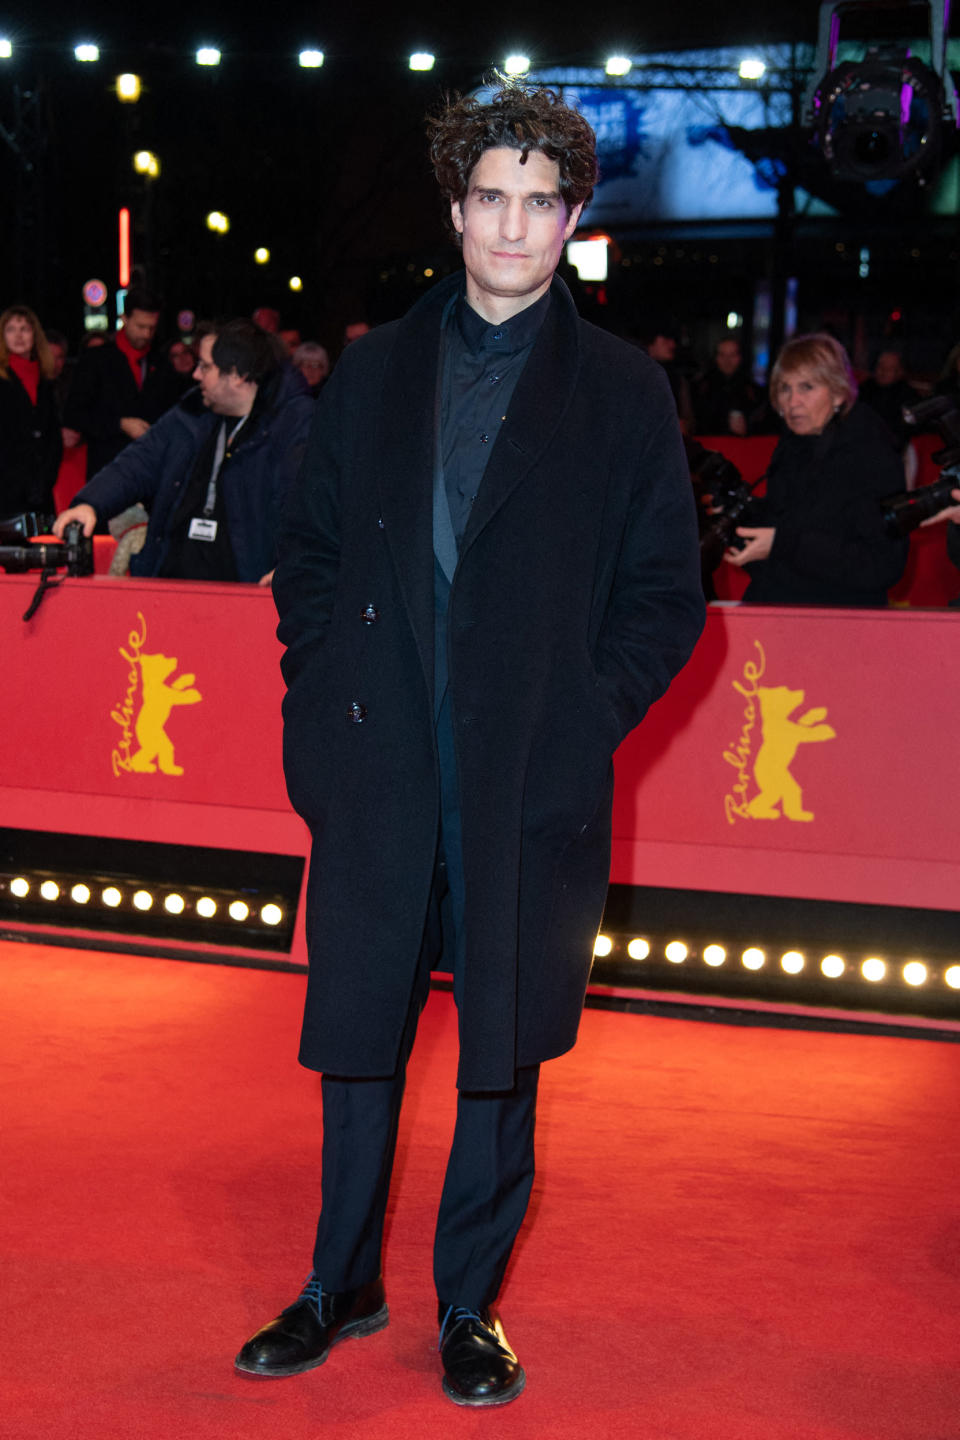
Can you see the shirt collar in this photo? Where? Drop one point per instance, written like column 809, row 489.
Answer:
column 507, row 338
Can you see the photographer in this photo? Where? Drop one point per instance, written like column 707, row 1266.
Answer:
column 818, row 538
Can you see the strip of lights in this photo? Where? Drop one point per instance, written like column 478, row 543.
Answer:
column 874, row 970
column 70, row 893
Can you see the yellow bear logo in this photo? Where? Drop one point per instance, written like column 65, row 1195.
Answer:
column 159, row 698
column 781, row 737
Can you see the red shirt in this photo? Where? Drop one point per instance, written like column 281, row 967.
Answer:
column 136, row 359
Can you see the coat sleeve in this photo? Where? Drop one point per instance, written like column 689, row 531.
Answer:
column 134, row 475
column 655, row 610
column 308, row 547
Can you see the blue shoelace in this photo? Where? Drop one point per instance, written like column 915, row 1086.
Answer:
column 456, row 1313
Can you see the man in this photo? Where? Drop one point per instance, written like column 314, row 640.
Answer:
column 120, row 389
column 725, row 399
column 660, row 343
column 887, row 391
column 213, row 471
column 488, row 571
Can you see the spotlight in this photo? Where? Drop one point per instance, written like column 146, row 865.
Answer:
column 602, row 945
column 80, row 894
column 880, row 118
column 262, row 255
column 310, row 59
column 208, row 55
column 6, row 50
column 752, row 68
column 873, row 969
column 295, row 282
column 143, row 900
column 753, row 958
column 516, row 64
column 422, row 60
column 128, row 89
column 714, row 955
column 792, row 962
column 174, row 904
column 87, row 54
column 676, row 952
column 271, row 914
column 833, row 966
column 50, row 890
column 111, row 897
column 19, row 887
column 638, row 949
column 914, row 972
column 618, row 65
column 238, row 910
column 206, row 907
column 734, row 320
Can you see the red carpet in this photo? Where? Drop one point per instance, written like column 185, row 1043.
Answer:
column 739, row 1234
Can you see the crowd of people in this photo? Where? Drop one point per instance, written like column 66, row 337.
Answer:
column 815, row 537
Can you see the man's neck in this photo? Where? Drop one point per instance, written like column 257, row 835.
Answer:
column 498, row 309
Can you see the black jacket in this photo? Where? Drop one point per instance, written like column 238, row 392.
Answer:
column 30, row 448
column 575, row 600
column 104, row 391
column 822, row 496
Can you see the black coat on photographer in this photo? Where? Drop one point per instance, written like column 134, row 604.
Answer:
column 575, row 600
column 823, row 494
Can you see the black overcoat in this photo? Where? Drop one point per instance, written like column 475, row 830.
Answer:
column 575, row 600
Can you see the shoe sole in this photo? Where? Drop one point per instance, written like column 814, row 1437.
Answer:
column 355, row 1330
column 503, row 1397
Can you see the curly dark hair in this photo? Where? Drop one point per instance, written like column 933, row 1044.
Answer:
column 518, row 117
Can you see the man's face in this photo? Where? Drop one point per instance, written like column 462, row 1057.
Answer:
column 662, row 348
column 140, row 326
column 514, row 225
column 59, row 353
column 728, row 357
column 889, row 368
column 214, row 386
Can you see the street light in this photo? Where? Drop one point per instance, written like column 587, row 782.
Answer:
column 218, row 222
column 128, row 89
column 146, row 163
column 262, row 255
column 295, row 282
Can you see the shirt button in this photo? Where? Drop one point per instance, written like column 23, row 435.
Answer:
column 484, row 438
column 370, row 615
column 493, row 379
column 357, row 713
column 497, row 335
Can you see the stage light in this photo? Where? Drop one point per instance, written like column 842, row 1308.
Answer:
column 873, row 969
column 128, row 89
column 618, row 65
column 714, row 955
column 833, row 966
column 422, row 60
column 80, row 894
column 676, row 952
column 208, row 55
column 174, row 904
column 206, row 907
column 516, row 65
column 87, row 54
column 792, row 962
column 295, row 282
column 143, row 900
column 218, row 222
column 6, row 50
column 914, row 972
column 590, row 257
column 753, row 958
column 734, row 320
column 752, row 68
column 602, row 945
column 21, row 888
column 262, row 255
column 146, row 163
column 238, row 910
column 638, row 949
column 50, row 890
column 111, row 897
column 310, row 59
column 271, row 914
column 950, row 975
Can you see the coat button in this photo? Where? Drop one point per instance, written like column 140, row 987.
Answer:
column 370, row 615
column 357, row 713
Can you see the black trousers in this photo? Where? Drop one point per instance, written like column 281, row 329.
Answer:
column 491, row 1165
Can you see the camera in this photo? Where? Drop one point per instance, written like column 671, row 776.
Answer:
column 907, row 509
column 74, row 553
column 715, row 476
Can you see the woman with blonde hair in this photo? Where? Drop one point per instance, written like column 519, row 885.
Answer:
column 817, row 537
column 30, row 440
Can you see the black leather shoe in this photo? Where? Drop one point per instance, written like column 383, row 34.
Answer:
column 302, row 1336
column 479, row 1366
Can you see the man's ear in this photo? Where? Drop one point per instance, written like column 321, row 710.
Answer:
column 572, row 221
column 456, row 216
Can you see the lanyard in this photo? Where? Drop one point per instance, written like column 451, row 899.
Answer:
column 223, row 442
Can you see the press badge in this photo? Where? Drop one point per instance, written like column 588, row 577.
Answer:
column 202, row 529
